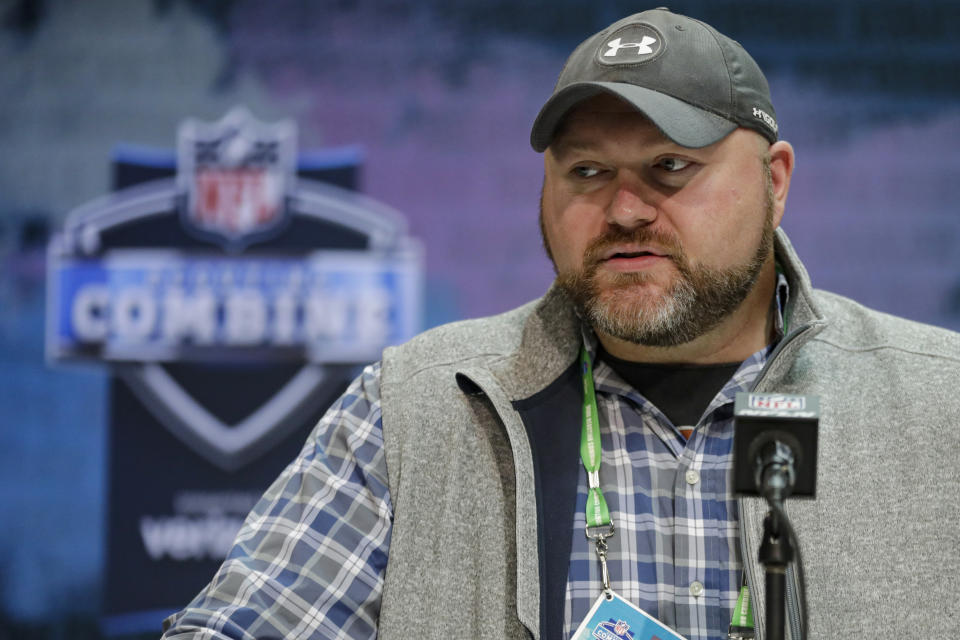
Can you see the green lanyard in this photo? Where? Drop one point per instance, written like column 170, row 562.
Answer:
column 741, row 626
column 599, row 526
column 597, row 513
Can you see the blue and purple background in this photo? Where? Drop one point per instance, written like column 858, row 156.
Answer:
column 439, row 95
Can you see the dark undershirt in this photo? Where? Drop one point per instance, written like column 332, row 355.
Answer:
column 681, row 391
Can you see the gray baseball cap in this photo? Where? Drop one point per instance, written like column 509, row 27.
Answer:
column 696, row 84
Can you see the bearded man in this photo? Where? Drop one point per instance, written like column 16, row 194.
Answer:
column 448, row 491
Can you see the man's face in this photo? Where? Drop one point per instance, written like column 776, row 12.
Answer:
column 656, row 243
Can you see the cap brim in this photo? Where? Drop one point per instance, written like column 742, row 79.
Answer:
column 683, row 123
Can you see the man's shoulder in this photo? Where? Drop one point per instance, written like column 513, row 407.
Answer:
column 462, row 341
column 855, row 327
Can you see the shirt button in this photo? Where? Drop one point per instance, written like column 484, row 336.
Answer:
column 692, row 476
column 696, row 588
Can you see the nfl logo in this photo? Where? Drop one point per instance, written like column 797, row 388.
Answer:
column 777, row 402
column 621, row 627
column 235, row 174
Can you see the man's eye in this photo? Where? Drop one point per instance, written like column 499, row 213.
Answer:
column 673, row 164
column 586, row 172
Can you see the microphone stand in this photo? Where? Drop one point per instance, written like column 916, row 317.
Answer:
column 775, row 554
column 776, row 477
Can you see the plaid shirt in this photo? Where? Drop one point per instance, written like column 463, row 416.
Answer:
column 310, row 559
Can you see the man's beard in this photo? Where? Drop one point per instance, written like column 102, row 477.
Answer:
column 696, row 301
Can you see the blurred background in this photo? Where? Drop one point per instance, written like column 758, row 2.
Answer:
column 438, row 96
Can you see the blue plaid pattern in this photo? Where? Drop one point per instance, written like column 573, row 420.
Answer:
column 310, row 559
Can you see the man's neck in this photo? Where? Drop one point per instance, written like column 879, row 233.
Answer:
column 745, row 331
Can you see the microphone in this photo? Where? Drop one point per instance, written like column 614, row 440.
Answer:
column 775, row 472
column 775, row 445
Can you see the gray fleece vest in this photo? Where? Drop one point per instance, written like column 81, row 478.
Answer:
column 880, row 542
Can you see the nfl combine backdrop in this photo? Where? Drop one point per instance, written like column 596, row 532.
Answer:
column 232, row 286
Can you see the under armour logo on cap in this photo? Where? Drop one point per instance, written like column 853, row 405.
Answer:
column 642, row 47
column 630, row 45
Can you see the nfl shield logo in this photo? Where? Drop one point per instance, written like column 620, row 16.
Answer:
column 236, row 174
column 620, row 628
column 776, row 402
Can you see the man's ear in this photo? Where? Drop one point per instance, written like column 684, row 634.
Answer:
column 782, row 161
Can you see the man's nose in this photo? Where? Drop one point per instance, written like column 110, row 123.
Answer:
column 631, row 207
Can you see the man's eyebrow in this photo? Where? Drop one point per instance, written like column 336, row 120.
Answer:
column 565, row 145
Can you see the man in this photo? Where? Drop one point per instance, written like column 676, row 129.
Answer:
column 445, row 493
